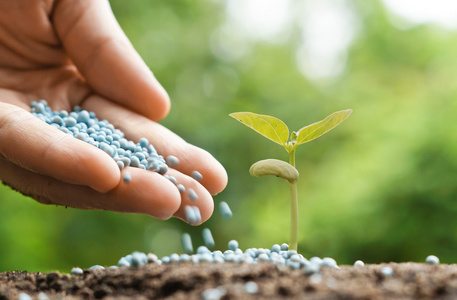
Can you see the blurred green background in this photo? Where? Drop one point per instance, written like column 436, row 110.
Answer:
column 381, row 187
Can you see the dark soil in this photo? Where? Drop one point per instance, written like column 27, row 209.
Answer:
column 189, row 281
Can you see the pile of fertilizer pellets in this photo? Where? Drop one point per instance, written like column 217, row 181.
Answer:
column 86, row 127
column 278, row 254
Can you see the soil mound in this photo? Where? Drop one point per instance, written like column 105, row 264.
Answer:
column 237, row 281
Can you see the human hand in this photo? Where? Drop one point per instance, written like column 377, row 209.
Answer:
column 75, row 53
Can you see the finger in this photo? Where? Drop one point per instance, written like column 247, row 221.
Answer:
column 191, row 158
column 103, row 54
column 147, row 192
column 203, row 199
column 34, row 145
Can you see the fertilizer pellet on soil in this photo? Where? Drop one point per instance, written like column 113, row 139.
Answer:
column 387, row 271
column 432, row 260
column 24, row 296
column 76, row 271
column 359, row 263
column 289, row 258
column 233, row 245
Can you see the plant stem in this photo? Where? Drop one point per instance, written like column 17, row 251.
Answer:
column 293, row 240
column 293, row 243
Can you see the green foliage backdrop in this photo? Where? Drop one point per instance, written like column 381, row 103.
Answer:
column 381, row 187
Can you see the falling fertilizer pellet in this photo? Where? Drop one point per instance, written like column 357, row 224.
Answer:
column 187, row 243
column 208, row 238
column 226, row 212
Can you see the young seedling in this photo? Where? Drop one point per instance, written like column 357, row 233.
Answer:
column 277, row 131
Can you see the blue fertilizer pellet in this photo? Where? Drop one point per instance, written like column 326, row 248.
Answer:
column 329, row 262
column 187, row 243
column 432, row 260
column 190, row 214
column 171, row 178
column 184, row 257
column 181, row 188
column 144, row 142
column 83, row 117
column 70, row 121
column 251, row 287
column 284, row 247
column 387, row 271
column 233, row 245
column 316, row 259
column 76, row 271
column 205, row 257
column 192, row 194
column 275, row 248
column 81, row 136
column 312, row 268
column 197, row 213
column 172, row 160
column 23, row 296
column 208, row 238
column 138, row 259
column 134, row 161
column 126, row 177
column 140, row 156
column 152, row 257
column 123, row 262
column 226, row 212
column 58, row 120
column 166, row 260
column 203, row 250
column 120, row 164
column 196, row 175
column 42, row 296
column 174, row 257
column 126, row 161
column 107, row 148
column 359, row 263
column 163, row 169
column 214, row 294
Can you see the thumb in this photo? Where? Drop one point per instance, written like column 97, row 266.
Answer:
column 105, row 57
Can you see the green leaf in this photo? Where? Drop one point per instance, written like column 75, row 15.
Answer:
column 315, row 130
column 268, row 126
